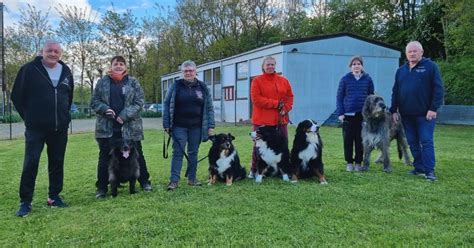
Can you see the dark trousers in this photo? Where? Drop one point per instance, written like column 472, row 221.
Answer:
column 352, row 135
column 103, row 164
column 283, row 129
column 56, row 147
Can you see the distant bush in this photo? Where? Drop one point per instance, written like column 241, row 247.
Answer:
column 15, row 117
column 150, row 114
column 458, row 77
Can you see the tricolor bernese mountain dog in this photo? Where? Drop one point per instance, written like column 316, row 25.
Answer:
column 273, row 155
column 224, row 161
column 123, row 165
column 306, row 154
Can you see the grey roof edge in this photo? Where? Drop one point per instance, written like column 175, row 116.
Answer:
column 299, row 40
column 337, row 35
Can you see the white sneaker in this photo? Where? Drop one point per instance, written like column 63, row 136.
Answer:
column 251, row 175
column 350, row 167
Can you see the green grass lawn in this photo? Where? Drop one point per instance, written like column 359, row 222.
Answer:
column 355, row 209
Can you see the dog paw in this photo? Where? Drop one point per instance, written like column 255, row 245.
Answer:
column 294, row 181
column 285, row 178
column 258, row 179
column 228, row 184
column 324, row 183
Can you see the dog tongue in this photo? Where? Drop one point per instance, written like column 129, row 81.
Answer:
column 126, row 154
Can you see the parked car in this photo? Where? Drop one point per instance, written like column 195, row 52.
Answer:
column 156, row 107
column 74, row 108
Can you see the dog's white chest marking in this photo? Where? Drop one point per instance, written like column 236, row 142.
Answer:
column 308, row 154
column 373, row 139
column 268, row 155
column 223, row 163
column 311, row 151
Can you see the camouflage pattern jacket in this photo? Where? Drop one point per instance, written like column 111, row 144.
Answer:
column 134, row 99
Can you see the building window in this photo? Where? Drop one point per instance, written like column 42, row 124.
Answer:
column 208, row 77
column 228, row 93
column 216, row 87
column 242, row 89
column 242, row 81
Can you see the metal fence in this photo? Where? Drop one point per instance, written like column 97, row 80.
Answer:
column 456, row 114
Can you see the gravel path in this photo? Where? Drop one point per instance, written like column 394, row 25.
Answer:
column 77, row 126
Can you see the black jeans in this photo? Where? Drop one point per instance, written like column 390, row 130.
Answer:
column 56, row 147
column 103, row 164
column 352, row 135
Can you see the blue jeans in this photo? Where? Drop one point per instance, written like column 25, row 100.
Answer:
column 181, row 137
column 419, row 132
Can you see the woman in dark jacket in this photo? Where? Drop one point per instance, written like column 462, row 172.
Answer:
column 117, row 102
column 188, row 117
column 354, row 87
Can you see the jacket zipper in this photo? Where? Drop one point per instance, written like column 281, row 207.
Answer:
column 56, row 107
column 55, row 97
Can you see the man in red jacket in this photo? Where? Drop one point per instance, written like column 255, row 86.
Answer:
column 272, row 100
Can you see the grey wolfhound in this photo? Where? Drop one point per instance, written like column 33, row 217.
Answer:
column 378, row 130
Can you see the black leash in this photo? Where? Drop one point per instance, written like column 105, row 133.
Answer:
column 181, row 147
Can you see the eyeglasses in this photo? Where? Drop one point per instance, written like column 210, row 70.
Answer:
column 187, row 71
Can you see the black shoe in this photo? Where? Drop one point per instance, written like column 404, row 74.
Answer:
column 100, row 194
column 430, row 176
column 172, row 186
column 24, row 210
column 194, row 182
column 416, row 172
column 146, row 187
column 57, row 202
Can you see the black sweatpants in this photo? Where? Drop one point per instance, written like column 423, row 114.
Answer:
column 352, row 135
column 56, row 147
column 104, row 158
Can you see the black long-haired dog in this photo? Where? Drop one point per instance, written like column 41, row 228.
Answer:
column 307, row 152
column 123, row 165
column 224, row 161
column 273, row 155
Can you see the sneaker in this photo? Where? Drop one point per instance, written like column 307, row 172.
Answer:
column 430, row 176
column 251, row 174
column 146, row 187
column 172, row 186
column 100, row 194
column 194, row 182
column 57, row 202
column 357, row 167
column 24, row 210
column 350, row 167
column 416, row 173
column 364, row 168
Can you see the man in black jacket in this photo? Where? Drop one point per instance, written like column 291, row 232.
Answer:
column 42, row 95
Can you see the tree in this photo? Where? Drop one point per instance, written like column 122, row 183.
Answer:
column 77, row 30
column 35, row 27
column 122, row 34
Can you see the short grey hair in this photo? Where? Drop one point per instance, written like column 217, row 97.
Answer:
column 51, row 42
column 267, row 58
column 188, row 63
column 415, row 43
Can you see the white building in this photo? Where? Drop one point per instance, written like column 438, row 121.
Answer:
column 313, row 66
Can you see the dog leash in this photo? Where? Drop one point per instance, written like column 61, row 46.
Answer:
column 166, row 148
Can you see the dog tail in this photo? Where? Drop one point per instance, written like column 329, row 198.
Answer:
column 400, row 150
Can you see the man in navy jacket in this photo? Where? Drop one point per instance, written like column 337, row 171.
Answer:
column 416, row 95
column 42, row 95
